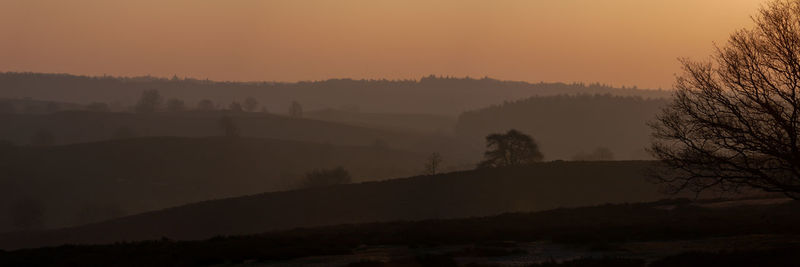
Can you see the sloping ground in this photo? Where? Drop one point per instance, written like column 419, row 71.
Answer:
column 460, row 194
column 90, row 182
column 613, row 235
column 82, row 126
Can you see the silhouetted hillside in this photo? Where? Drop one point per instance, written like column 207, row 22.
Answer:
column 569, row 127
column 84, row 126
column 453, row 195
column 58, row 186
column 428, row 95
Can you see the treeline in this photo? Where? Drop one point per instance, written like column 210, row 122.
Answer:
column 436, row 95
column 577, row 127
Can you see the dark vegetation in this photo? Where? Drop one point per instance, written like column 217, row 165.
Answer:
column 678, row 219
column 735, row 122
column 82, row 183
column 452, row 195
column 510, row 149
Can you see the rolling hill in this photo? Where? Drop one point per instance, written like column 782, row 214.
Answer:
column 453, row 195
column 567, row 126
column 428, row 95
column 81, row 183
column 70, row 127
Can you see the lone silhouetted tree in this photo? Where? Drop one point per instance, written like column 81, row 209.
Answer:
column 296, row 110
column 228, row 127
column 150, row 101
column 432, row 163
column 250, row 104
column 205, row 105
column 175, row 105
column 734, row 122
column 327, row 177
column 510, row 149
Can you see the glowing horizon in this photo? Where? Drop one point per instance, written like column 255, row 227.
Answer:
column 616, row 42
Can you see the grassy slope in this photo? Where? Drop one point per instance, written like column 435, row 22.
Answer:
column 460, row 194
column 97, row 181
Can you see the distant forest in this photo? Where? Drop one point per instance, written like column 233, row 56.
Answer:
column 578, row 127
column 431, row 95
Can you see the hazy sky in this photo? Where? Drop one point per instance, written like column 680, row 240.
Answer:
column 621, row 42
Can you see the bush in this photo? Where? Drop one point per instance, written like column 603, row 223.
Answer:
column 318, row 178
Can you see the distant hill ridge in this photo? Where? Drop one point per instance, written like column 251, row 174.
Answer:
column 434, row 95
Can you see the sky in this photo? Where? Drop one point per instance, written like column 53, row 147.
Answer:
column 617, row 42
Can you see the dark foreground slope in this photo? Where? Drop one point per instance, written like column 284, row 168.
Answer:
column 453, row 195
column 82, row 183
column 664, row 233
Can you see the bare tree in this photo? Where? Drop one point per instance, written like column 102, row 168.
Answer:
column 296, row 110
column 432, row 163
column 250, row 104
column 228, row 127
column 235, row 107
column 733, row 123
column 150, row 101
column 175, row 105
column 513, row 148
column 205, row 105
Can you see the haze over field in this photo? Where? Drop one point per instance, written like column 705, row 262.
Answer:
column 618, row 42
column 400, row 133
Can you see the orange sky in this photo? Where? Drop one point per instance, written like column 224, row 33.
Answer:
column 620, row 42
